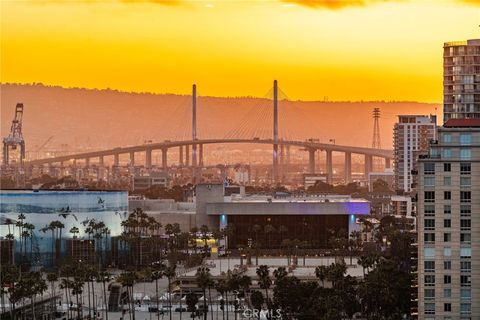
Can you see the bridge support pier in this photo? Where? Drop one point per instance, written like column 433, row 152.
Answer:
column 348, row 167
column 388, row 165
column 87, row 162
column 132, row 158
column 187, row 155
column 282, row 162
column 101, row 161
column 329, row 164
column 148, row 159
column 200, row 155
column 180, row 155
column 164, row 159
column 368, row 165
column 311, row 160
column 116, row 159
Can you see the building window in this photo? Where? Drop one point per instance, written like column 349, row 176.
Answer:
column 465, row 308
column 465, row 294
column 429, row 181
column 447, row 181
column 465, row 224
column 447, row 209
column 465, row 210
column 465, row 196
column 429, row 168
column 447, row 265
column 429, row 294
column 465, row 181
column 465, row 168
column 465, row 238
column 429, row 209
column 447, row 153
column 447, row 237
column 429, row 252
column 465, row 154
column 429, row 308
column 447, row 251
column 465, row 253
column 447, row 167
column 429, row 224
column 429, row 280
column 447, row 293
column 465, row 139
column 465, row 280
column 447, row 138
column 447, row 223
column 429, row 237
column 447, row 307
column 447, row 279
column 429, row 266
column 447, row 195
column 429, row 196
column 465, row 266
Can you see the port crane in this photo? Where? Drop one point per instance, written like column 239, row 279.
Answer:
column 15, row 138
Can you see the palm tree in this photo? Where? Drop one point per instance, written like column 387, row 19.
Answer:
column 170, row 274
column 52, row 278
column 128, row 279
column 264, row 280
column 282, row 230
column 104, row 277
column 268, row 230
column 204, row 281
column 157, row 273
column 321, row 273
column 221, row 287
column 280, row 273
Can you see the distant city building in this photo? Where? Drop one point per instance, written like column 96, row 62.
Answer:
column 449, row 224
column 411, row 136
column 309, row 179
column 461, row 79
column 143, row 182
column 69, row 210
column 269, row 220
column 388, row 176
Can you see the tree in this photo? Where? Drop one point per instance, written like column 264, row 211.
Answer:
column 204, row 281
column 169, row 272
column 128, row 279
column 221, row 287
column 52, row 278
column 104, row 277
column 191, row 300
column 264, row 280
column 280, row 273
column 321, row 273
column 269, row 229
column 257, row 300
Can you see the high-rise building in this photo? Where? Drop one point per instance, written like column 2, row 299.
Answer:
column 461, row 79
column 448, row 212
column 411, row 136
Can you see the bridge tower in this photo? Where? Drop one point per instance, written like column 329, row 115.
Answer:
column 376, row 143
column 275, row 132
column 194, row 131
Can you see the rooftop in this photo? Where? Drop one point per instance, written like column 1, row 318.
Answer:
column 462, row 123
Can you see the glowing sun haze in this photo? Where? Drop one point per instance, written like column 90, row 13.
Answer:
column 345, row 50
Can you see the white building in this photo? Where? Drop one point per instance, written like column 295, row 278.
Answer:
column 411, row 136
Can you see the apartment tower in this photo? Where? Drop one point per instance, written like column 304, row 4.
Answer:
column 411, row 136
column 461, row 80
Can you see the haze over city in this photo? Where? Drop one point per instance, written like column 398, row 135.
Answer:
column 270, row 159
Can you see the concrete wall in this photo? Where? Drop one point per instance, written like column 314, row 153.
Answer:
column 207, row 193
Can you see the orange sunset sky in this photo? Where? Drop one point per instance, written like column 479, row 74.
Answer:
column 343, row 50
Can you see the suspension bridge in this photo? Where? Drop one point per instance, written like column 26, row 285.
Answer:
column 260, row 125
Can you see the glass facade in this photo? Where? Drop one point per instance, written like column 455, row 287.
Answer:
column 73, row 209
column 271, row 230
